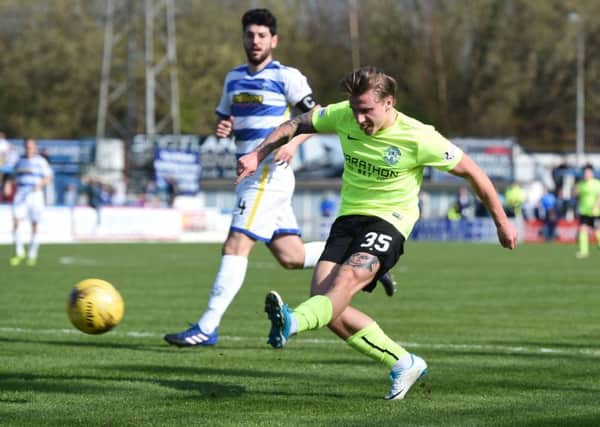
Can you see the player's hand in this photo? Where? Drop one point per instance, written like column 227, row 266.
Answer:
column 507, row 235
column 285, row 153
column 224, row 127
column 246, row 166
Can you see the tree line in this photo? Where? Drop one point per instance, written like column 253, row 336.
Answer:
column 477, row 68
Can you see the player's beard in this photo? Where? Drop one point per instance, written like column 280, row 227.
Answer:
column 257, row 60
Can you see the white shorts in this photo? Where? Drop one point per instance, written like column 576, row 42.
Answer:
column 28, row 204
column 264, row 203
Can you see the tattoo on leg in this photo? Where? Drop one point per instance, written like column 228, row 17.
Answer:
column 362, row 260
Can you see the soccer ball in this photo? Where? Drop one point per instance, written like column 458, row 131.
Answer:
column 95, row 306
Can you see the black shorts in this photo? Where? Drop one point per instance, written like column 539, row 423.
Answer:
column 590, row 221
column 358, row 233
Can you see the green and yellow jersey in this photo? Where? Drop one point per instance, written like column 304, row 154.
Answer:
column 588, row 193
column 383, row 172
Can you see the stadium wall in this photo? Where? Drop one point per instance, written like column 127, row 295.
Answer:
column 122, row 224
column 209, row 224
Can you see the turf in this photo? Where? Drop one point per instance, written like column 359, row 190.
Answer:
column 511, row 338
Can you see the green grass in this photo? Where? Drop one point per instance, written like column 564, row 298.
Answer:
column 511, row 338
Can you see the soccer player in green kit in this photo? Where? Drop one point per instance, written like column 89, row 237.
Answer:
column 588, row 207
column 385, row 152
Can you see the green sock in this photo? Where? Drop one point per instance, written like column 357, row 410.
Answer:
column 598, row 238
column 314, row 313
column 374, row 343
column 583, row 240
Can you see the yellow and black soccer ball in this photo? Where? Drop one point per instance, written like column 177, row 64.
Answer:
column 95, row 306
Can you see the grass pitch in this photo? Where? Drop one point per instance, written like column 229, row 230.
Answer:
column 511, row 338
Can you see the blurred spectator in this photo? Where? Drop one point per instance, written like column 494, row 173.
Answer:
column 534, row 192
column 119, row 196
column 513, row 200
column 480, row 209
column 462, row 206
column 328, row 210
column 558, row 175
column 151, row 197
column 8, row 157
column 548, row 212
column 4, row 168
column 424, row 205
column 71, row 195
column 96, row 195
column 4, row 149
column 171, row 191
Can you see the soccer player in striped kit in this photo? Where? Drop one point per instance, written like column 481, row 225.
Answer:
column 31, row 174
column 256, row 98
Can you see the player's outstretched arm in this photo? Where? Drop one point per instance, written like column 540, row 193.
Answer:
column 483, row 186
column 301, row 124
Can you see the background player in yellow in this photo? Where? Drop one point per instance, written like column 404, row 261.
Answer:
column 588, row 208
column 385, row 152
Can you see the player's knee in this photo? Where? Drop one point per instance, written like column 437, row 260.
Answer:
column 290, row 261
column 237, row 245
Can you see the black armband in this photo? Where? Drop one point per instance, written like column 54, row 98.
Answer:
column 306, row 104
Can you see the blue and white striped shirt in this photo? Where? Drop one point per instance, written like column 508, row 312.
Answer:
column 29, row 172
column 260, row 102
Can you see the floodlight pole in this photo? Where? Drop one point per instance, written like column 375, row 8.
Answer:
column 580, row 95
column 580, row 108
column 354, row 33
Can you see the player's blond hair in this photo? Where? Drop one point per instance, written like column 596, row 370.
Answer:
column 366, row 78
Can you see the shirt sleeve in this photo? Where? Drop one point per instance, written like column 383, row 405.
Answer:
column 224, row 107
column 325, row 119
column 296, row 86
column 437, row 151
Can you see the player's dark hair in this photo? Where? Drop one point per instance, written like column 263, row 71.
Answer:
column 260, row 17
column 587, row 166
column 366, row 78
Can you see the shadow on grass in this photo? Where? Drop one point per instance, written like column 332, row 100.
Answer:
column 121, row 378
column 151, row 345
column 79, row 344
column 90, row 384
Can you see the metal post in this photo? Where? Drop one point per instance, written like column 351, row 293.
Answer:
column 575, row 18
column 172, row 61
column 150, row 70
column 580, row 95
column 354, row 41
column 105, row 73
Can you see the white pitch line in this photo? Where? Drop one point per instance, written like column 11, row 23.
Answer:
column 69, row 260
column 492, row 348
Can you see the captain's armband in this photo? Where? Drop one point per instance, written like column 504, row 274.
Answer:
column 306, row 104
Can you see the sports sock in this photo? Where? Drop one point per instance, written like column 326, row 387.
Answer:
column 228, row 282
column 34, row 244
column 314, row 313
column 598, row 238
column 374, row 343
column 583, row 241
column 312, row 253
column 18, row 239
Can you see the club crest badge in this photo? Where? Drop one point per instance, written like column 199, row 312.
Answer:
column 392, row 155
